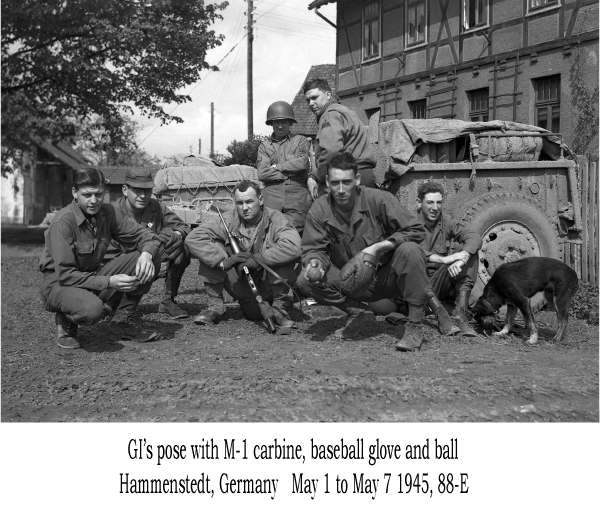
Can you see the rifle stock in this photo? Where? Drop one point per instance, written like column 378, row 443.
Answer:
column 265, row 309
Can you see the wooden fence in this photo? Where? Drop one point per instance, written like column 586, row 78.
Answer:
column 589, row 213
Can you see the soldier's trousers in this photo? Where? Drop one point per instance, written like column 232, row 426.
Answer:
column 445, row 286
column 404, row 276
column 174, row 268
column 291, row 197
column 270, row 288
column 84, row 306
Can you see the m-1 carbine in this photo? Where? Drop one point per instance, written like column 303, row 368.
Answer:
column 264, row 307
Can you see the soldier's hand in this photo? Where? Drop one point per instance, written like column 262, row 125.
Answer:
column 455, row 268
column 123, row 282
column 251, row 264
column 313, row 187
column 144, row 269
column 172, row 241
column 462, row 256
column 231, row 261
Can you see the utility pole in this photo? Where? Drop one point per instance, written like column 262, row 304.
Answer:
column 212, row 129
column 250, row 101
column 199, row 146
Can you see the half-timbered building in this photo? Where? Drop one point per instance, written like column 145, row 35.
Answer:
column 521, row 60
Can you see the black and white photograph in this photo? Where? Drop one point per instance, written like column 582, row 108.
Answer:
column 301, row 212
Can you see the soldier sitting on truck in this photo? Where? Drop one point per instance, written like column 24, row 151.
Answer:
column 137, row 203
column 270, row 246
column 352, row 219
column 78, row 281
column 283, row 166
column 451, row 252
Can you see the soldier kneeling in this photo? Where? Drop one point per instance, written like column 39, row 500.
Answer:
column 270, row 246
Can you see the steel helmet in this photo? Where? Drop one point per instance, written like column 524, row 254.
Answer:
column 280, row 110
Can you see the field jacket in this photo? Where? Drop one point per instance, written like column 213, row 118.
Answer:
column 290, row 155
column 447, row 236
column 75, row 252
column 280, row 244
column 339, row 129
column 376, row 216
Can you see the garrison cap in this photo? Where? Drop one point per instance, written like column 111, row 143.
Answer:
column 139, row 179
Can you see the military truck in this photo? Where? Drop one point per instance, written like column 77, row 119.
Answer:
column 516, row 184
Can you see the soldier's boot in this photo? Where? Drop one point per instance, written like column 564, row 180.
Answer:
column 413, row 338
column 445, row 323
column 216, row 306
column 127, row 324
column 66, row 337
column 168, row 305
column 460, row 314
column 359, row 314
column 282, row 318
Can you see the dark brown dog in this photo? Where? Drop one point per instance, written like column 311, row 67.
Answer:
column 515, row 283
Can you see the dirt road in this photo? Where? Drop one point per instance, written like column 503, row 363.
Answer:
column 236, row 371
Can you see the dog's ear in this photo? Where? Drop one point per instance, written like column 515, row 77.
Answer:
column 488, row 307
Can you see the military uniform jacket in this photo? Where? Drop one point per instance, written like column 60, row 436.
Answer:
column 75, row 252
column 290, row 155
column 339, row 129
column 376, row 216
column 442, row 239
column 156, row 216
column 280, row 244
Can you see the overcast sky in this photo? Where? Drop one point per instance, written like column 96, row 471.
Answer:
column 288, row 40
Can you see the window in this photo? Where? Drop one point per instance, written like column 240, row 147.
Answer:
column 371, row 30
column 479, row 107
column 475, row 13
column 547, row 103
column 418, row 109
column 415, row 23
column 540, row 4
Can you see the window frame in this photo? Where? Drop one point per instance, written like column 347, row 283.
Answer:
column 542, row 8
column 471, row 96
column 370, row 21
column 408, row 5
column 413, row 104
column 552, row 104
column 477, row 26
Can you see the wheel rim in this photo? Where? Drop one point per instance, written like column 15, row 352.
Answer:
column 505, row 242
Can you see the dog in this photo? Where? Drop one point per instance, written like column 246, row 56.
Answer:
column 515, row 283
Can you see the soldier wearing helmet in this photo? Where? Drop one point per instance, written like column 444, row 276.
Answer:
column 283, row 166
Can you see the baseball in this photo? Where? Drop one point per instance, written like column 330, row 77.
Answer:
column 313, row 274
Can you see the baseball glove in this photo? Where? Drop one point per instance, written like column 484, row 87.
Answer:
column 358, row 274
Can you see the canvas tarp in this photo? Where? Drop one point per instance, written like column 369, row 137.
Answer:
column 194, row 178
column 399, row 139
column 181, row 159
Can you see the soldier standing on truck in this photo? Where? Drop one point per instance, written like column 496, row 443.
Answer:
column 338, row 130
column 451, row 252
column 283, row 166
column 137, row 203
column 271, row 246
column 77, row 281
column 352, row 219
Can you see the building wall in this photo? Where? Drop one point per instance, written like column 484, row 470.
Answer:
column 546, row 42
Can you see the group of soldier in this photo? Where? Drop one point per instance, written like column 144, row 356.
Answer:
column 297, row 228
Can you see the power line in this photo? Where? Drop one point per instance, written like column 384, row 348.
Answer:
column 283, row 30
column 195, row 86
column 295, row 20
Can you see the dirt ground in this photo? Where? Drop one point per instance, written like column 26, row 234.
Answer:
column 236, row 371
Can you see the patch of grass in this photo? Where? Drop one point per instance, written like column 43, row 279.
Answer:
column 585, row 303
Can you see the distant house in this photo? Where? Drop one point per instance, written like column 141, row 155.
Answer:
column 115, row 178
column 40, row 183
column 307, row 122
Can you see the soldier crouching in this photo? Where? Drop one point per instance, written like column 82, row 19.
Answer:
column 270, row 246
column 77, row 281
